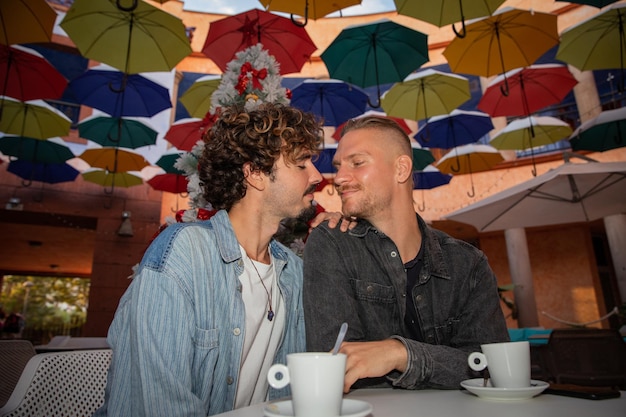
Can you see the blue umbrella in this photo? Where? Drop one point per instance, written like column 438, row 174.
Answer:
column 334, row 101
column 42, row 172
column 120, row 94
column 460, row 127
column 324, row 161
column 428, row 178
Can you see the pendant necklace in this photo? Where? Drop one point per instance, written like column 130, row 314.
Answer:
column 270, row 312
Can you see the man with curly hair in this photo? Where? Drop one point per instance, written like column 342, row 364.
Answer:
column 214, row 303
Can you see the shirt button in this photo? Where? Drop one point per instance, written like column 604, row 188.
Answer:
column 394, row 254
column 236, row 331
column 418, row 298
column 369, row 289
column 404, row 295
column 230, row 380
column 240, row 262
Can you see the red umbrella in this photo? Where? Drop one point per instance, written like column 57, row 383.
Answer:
column 288, row 43
column 185, row 133
column 399, row 120
column 530, row 89
column 26, row 75
column 171, row 183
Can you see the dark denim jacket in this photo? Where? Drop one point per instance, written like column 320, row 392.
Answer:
column 359, row 277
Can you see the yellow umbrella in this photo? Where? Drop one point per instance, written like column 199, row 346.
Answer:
column 510, row 38
column 313, row 9
column 34, row 119
column 114, row 159
column 467, row 159
column 110, row 180
column 130, row 35
column 425, row 94
column 197, row 98
column 26, row 21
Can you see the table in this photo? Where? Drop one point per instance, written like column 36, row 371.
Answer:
column 388, row 402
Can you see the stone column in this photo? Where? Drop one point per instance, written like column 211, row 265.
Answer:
column 521, row 275
column 615, row 226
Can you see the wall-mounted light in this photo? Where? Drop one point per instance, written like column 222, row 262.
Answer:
column 126, row 228
column 14, row 203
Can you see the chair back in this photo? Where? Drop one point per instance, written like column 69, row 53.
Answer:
column 595, row 357
column 69, row 384
column 14, row 355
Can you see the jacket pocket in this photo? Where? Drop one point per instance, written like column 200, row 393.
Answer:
column 371, row 291
column 205, row 338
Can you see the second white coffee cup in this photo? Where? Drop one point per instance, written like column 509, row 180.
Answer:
column 316, row 381
column 508, row 362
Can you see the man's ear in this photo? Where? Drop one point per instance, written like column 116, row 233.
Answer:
column 404, row 168
column 254, row 177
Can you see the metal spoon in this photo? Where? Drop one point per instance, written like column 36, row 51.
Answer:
column 340, row 336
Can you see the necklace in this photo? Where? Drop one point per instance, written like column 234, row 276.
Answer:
column 270, row 312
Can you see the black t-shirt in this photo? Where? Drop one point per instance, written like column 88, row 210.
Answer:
column 413, row 268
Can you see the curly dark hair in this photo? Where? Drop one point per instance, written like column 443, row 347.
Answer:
column 259, row 136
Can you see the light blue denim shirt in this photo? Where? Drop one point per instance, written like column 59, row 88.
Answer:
column 177, row 336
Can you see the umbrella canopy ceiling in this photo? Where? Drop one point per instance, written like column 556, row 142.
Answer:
column 49, row 173
column 119, row 94
column 197, row 98
column 114, row 159
column 570, row 193
column 510, row 38
column 426, row 93
column 116, row 131
column 26, row 21
column 133, row 39
column 375, row 53
column 34, row 118
column 26, row 75
column 185, row 133
column 604, row 132
column 291, row 45
column 53, row 150
column 460, row 127
column 530, row 89
column 313, row 9
column 332, row 100
column 596, row 43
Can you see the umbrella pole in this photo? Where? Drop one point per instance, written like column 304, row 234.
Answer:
column 504, row 89
column 621, row 51
column 132, row 7
column 306, row 16
column 463, row 32
column 469, row 163
column 530, row 143
column 423, row 206
column 377, row 105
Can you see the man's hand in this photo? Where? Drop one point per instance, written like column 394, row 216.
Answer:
column 334, row 218
column 372, row 359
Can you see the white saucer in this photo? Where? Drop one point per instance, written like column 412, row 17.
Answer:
column 475, row 386
column 349, row 408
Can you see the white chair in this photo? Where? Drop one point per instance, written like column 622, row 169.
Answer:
column 68, row 384
column 14, row 355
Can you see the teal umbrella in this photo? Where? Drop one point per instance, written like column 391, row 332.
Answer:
column 604, row 132
column 375, row 53
column 117, row 131
column 50, row 151
column 168, row 159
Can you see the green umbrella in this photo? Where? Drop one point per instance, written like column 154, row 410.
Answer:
column 421, row 158
column 168, row 159
column 375, row 53
column 116, row 131
column 51, row 151
column 604, row 132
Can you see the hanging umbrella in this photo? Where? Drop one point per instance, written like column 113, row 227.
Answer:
column 604, row 132
column 510, row 38
column 313, row 9
column 426, row 93
column 116, row 131
column 324, row 160
column 51, row 173
column 598, row 42
column 185, row 133
column 114, row 159
column 530, row 89
column 120, row 94
column 197, row 98
column 445, row 12
column 375, row 53
column 26, row 75
column 570, row 193
column 50, row 151
column 130, row 35
column 421, row 157
column 460, row 127
column 26, row 21
column 34, row 118
column 333, row 100
column 401, row 122
column 168, row 159
column 427, row 179
column 595, row 3
column 168, row 182
column 468, row 159
column 289, row 44
column 109, row 180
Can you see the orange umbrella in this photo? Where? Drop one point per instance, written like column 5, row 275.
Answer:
column 114, row 159
column 26, row 21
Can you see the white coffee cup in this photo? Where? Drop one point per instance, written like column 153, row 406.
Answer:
column 508, row 362
column 316, row 380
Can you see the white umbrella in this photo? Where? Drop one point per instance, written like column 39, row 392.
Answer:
column 570, row 193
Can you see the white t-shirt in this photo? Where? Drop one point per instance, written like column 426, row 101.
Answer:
column 261, row 337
